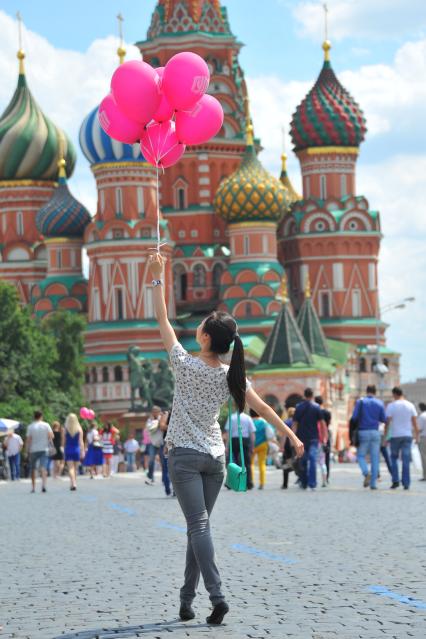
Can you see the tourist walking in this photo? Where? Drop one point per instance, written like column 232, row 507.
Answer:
column 368, row 414
column 156, row 447
column 248, row 430
column 421, row 421
column 144, row 448
column 262, row 436
column 58, row 457
column 117, row 452
column 93, row 459
column 306, row 422
column 288, row 461
column 131, row 446
column 402, row 421
column 107, row 442
column 13, row 446
column 324, row 456
column 73, row 447
column 196, row 449
column 39, row 436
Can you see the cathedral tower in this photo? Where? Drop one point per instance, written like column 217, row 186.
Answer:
column 331, row 235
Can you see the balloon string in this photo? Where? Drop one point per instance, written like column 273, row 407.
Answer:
column 158, row 211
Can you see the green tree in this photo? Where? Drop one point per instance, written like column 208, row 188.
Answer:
column 67, row 329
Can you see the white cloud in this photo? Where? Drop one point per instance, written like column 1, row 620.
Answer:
column 383, row 19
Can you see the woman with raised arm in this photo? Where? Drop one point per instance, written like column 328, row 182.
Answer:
column 194, row 440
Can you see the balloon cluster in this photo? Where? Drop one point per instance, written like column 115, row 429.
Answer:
column 164, row 108
column 87, row 413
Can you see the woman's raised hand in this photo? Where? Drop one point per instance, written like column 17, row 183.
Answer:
column 156, row 265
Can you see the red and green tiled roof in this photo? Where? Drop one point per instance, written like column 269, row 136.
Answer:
column 327, row 116
column 29, row 141
column 175, row 17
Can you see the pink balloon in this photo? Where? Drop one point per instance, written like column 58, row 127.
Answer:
column 83, row 412
column 202, row 123
column 186, row 78
column 160, row 145
column 90, row 413
column 165, row 110
column 135, row 87
column 117, row 125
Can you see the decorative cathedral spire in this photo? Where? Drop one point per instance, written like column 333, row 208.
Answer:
column 284, row 178
column 310, row 325
column 285, row 346
column 21, row 53
column 121, row 51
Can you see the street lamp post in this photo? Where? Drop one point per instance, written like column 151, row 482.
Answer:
column 380, row 367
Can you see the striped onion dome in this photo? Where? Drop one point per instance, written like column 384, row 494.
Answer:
column 30, row 144
column 63, row 215
column 98, row 147
column 328, row 115
column 251, row 193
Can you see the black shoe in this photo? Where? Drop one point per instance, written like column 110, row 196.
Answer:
column 43, row 490
column 406, row 487
column 219, row 611
column 186, row 613
column 73, row 488
column 395, row 484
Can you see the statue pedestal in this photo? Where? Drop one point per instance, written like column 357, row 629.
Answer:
column 134, row 423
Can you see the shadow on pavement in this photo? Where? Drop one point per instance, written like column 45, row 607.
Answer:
column 132, row 631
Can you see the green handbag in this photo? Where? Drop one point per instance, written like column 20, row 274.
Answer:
column 236, row 476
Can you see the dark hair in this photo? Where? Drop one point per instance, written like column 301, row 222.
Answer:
column 319, row 400
column 38, row 414
column 108, row 427
column 371, row 389
column 253, row 413
column 422, row 406
column 308, row 393
column 396, row 390
column 223, row 330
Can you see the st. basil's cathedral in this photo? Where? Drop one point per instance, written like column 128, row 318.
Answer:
column 298, row 271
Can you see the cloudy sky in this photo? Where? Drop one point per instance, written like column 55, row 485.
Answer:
column 379, row 54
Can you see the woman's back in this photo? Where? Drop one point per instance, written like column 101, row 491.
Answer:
column 200, row 391
column 71, row 441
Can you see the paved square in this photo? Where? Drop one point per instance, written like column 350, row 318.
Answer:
column 107, row 561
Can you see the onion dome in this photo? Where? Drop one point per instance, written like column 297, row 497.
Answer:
column 328, row 115
column 251, row 193
column 98, row 147
column 284, row 179
column 29, row 141
column 63, row 215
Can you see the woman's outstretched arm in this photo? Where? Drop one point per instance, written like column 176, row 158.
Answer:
column 156, row 264
column 265, row 411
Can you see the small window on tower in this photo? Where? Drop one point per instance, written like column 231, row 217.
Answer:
column 119, row 202
column 181, row 198
column 119, row 300
column 343, row 185
column 353, row 225
column 105, row 374
column 118, row 374
column 141, row 204
column 323, row 187
column 117, row 234
column 320, row 226
column 19, row 223
column 146, row 232
column 59, row 259
column 248, row 309
column 324, row 303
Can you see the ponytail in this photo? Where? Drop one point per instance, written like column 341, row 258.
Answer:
column 237, row 374
column 223, row 330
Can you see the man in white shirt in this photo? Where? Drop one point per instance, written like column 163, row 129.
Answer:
column 39, row 435
column 130, row 447
column 402, row 419
column 14, row 445
column 248, row 430
column 421, row 421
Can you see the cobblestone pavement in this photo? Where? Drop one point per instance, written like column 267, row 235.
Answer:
column 107, row 561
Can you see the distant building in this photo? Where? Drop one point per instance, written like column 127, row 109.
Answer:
column 415, row 391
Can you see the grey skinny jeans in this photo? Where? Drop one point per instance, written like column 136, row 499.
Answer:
column 197, row 479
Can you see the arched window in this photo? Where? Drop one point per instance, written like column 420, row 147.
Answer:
column 180, row 280
column 324, row 298
column 217, row 274
column 118, row 202
column 200, row 275
column 373, row 365
column 94, row 376
column 87, row 377
column 181, row 198
column 105, row 374
column 180, row 189
column 323, row 187
column 118, row 374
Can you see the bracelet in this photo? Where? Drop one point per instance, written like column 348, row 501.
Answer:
column 157, row 282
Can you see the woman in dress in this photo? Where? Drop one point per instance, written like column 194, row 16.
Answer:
column 94, row 457
column 194, row 439
column 58, row 457
column 107, row 441
column 73, row 447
